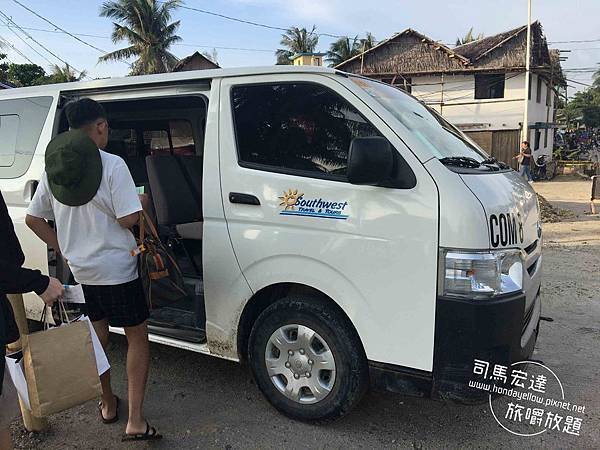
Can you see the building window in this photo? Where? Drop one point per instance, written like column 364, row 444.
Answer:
column 545, row 137
column 538, row 135
column 296, row 127
column 538, row 95
column 548, row 96
column 489, row 86
column 529, row 91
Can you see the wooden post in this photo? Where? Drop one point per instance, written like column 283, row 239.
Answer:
column 31, row 422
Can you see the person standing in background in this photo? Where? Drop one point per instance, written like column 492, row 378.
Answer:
column 524, row 157
column 14, row 279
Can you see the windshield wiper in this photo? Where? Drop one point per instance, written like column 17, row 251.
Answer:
column 460, row 161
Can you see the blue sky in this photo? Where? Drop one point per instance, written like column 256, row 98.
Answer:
column 441, row 20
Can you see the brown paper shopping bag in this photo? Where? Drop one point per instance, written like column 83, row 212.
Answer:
column 60, row 368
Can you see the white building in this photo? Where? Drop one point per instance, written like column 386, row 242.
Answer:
column 480, row 86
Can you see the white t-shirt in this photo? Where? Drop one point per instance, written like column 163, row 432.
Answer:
column 97, row 247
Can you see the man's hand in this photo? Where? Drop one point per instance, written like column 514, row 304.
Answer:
column 53, row 292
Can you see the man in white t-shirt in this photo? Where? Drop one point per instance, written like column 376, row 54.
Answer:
column 92, row 199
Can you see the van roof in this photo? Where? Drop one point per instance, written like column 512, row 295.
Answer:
column 162, row 78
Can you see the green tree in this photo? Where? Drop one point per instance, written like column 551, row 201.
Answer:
column 65, row 74
column 469, row 37
column 3, row 66
column 368, row 42
column 146, row 26
column 345, row 48
column 26, row 74
column 296, row 40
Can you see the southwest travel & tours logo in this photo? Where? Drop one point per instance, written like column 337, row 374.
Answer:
column 296, row 204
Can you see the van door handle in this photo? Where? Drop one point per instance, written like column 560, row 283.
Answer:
column 244, row 199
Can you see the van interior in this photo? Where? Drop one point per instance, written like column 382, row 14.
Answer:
column 162, row 141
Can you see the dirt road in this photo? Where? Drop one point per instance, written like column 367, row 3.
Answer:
column 202, row 402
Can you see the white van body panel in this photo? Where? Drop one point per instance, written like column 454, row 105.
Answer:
column 462, row 217
column 379, row 265
column 17, row 193
column 508, row 194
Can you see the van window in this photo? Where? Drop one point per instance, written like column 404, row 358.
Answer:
column 296, row 127
column 438, row 136
column 21, row 123
column 9, row 126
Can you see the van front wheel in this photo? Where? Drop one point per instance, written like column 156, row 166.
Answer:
column 307, row 360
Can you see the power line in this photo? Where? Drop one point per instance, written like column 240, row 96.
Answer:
column 59, row 28
column 574, row 42
column 38, row 43
column 218, row 47
column 579, row 82
column 249, row 22
column 25, row 41
column 16, row 50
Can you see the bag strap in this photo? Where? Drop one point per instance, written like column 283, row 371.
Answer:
column 103, row 209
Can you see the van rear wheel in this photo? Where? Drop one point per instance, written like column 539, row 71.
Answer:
column 307, row 360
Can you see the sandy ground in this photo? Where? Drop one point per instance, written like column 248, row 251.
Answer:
column 202, row 402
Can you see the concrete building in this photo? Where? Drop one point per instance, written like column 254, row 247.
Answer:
column 307, row 59
column 479, row 86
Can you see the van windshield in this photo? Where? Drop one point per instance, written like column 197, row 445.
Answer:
column 441, row 138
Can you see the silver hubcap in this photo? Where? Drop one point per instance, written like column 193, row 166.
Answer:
column 300, row 364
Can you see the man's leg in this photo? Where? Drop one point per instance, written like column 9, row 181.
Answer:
column 528, row 173
column 109, row 404
column 138, row 363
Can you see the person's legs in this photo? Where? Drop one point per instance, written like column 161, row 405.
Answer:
column 522, row 170
column 528, row 173
column 138, row 363
column 109, row 402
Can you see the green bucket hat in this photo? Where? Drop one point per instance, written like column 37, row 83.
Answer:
column 73, row 167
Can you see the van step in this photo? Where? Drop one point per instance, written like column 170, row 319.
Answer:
column 190, row 335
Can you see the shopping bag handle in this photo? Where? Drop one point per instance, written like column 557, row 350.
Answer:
column 62, row 314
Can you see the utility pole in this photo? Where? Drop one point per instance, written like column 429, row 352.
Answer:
column 525, row 128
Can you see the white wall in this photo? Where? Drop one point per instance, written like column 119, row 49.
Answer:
column 462, row 109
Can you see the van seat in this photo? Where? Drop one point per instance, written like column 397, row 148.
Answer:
column 170, row 177
column 190, row 230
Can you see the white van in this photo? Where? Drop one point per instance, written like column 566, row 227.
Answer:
column 334, row 232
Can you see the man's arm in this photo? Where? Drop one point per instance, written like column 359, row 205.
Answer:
column 43, row 230
column 129, row 221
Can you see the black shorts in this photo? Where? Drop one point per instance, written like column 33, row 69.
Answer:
column 123, row 305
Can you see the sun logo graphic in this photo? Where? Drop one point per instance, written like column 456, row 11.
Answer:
column 289, row 199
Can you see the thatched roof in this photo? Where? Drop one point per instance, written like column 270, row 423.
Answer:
column 406, row 52
column 196, row 61
column 411, row 53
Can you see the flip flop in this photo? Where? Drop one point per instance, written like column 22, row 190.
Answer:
column 150, row 435
column 113, row 419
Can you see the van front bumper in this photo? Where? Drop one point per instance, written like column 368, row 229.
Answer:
column 497, row 331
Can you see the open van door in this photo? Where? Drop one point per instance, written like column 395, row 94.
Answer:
column 26, row 126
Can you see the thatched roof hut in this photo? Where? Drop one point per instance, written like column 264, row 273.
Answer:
column 410, row 53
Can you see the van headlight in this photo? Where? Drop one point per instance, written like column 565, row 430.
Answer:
column 480, row 275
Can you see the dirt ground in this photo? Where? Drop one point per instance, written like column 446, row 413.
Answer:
column 202, row 402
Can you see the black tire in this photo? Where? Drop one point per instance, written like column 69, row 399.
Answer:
column 351, row 369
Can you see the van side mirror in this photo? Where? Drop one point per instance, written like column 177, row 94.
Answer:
column 370, row 160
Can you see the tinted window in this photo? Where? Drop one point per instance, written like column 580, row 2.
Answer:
column 489, row 86
column 300, row 127
column 9, row 125
column 21, row 123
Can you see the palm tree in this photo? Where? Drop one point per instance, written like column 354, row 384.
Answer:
column 342, row 50
column 368, row 42
column 65, row 74
column 144, row 24
column 296, row 40
column 469, row 37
